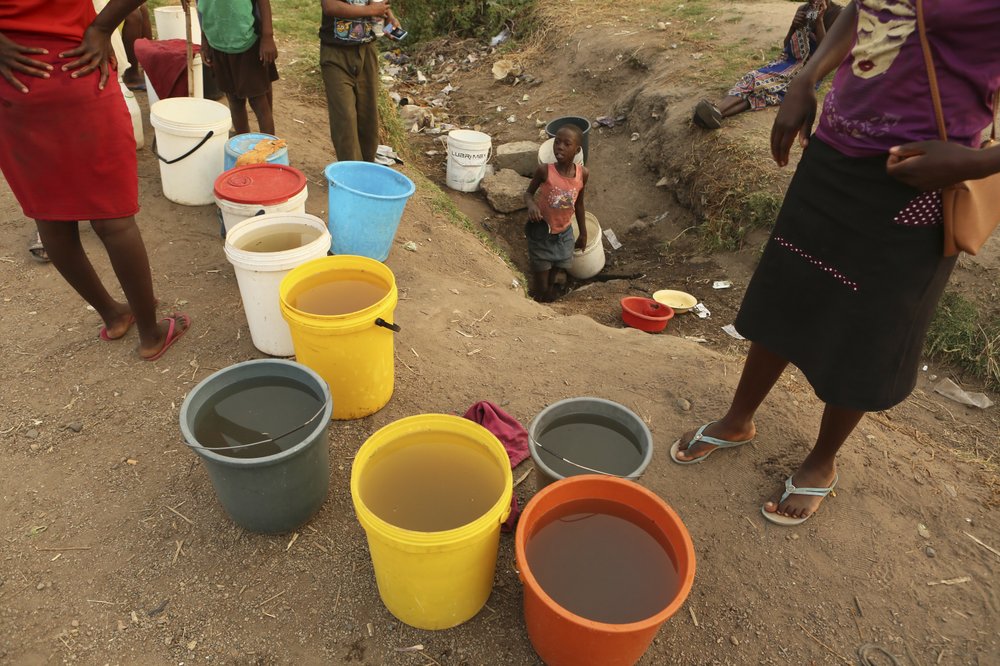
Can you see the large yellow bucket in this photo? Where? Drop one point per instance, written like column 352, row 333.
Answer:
column 432, row 580
column 353, row 352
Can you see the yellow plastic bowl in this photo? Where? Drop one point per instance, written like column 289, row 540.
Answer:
column 680, row 301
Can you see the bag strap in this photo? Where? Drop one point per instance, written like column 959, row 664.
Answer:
column 931, row 73
column 932, row 80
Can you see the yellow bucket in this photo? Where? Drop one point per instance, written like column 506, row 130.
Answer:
column 433, row 580
column 353, row 352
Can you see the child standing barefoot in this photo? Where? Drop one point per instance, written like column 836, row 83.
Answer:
column 237, row 42
column 550, row 221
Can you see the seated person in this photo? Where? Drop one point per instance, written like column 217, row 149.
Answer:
column 766, row 86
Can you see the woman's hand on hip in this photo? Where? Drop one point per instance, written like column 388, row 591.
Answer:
column 795, row 117
column 93, row 53
column 932, row 165
column 15, row 58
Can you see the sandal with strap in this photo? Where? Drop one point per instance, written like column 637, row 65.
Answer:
column 700, row 436
column 791, row 489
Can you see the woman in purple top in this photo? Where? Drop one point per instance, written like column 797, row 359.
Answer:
column 850, row 278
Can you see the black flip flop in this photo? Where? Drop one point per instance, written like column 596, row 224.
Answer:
column 37, row 251
column 707, row 115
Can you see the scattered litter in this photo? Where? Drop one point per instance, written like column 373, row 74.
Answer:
column 540, row 123
column 663, row 182
column 413, row 648
column 613, row 239
column 500, row 37
column 951, row 581
column 512, row 119
column 421, row 78
column 506, row 69
column 729, row 329
column 432, row 153
column 387, row 156
column 923, row 531
column 701, row 311
column 609, row 121
column 515, row 284
column 697, row 56
column 634, row 137
column 411, row 246
column 989, row 548
column 722, row 284
column 953, row 391
column 448, row 89
column 525, row 98
column 695, row 338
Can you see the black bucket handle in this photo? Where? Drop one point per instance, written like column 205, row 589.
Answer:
column 384, row 324
column 201, row 143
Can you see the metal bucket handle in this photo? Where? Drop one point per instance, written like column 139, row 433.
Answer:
column 583, row 467
column 263, row 441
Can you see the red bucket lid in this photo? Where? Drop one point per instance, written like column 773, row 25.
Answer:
column 263, row 184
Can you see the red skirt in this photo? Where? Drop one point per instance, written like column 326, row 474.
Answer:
column 66, row 148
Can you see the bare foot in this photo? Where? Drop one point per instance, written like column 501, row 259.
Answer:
column 802, row 506
column 719, row 430
column 118, row 323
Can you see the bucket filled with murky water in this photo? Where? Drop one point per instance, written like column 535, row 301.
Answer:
column 588, row 436
column 340, row 313
column 604, row 563
column 431, row 492
column 260, row 429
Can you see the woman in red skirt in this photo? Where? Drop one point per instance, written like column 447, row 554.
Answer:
column 68, row 153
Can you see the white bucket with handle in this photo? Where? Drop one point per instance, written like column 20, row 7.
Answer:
column 191, row 135
column 169, row 22
column 468, row 154
column 589, row 261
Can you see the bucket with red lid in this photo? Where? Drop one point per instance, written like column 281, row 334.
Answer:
column 258, row 189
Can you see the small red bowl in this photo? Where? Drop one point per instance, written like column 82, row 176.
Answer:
column 645, row 314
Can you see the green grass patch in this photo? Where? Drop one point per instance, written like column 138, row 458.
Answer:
column 965, row 336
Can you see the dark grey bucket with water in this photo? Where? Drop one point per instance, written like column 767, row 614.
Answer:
column 582, row 123
column 271, row 493
column 628, row 461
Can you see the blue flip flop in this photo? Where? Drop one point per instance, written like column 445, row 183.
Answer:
column 700, row 436
column 791, row 489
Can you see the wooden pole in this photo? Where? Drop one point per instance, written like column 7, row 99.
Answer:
column 190, row 49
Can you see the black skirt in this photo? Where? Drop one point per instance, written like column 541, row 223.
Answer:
column 849, row 281
column 243, row 75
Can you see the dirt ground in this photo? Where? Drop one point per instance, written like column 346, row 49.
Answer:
column 114, row 550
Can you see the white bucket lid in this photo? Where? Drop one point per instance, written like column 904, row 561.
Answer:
column 190, row 116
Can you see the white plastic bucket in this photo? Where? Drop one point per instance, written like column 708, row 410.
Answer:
column 259, row 274
column 191, row 137
column 169, row 23
column 136, row 114
column 199, row 83
column 589, row 261
column 468, row 153
column 547, row 154
column 234, row 213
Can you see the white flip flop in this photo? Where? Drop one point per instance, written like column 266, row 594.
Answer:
column 700, row 436
column 791, row 489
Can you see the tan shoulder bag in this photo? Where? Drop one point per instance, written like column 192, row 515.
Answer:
column 972, row 207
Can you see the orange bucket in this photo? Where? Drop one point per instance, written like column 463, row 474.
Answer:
column 562, row 638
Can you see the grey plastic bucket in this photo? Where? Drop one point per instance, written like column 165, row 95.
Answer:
column 544, row 474
column 582, row 123
column 274, row 493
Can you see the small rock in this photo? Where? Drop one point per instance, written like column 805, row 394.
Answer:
column 794, row 537
column 40, row 587
column 540, row 123
column 734, row 640
column 683, row 404
column 32, row 434
column 75, row 426
column 663, row 182
column 34, row 447
column 192, row 645
column 75, row 623
column 411, row 246
column 168, row 640
column 930, row 552
column 923, row 531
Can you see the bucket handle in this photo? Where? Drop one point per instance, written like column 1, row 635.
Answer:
column 201, row 143
column 384, row 324
column 263, row 441
column 578, row 465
